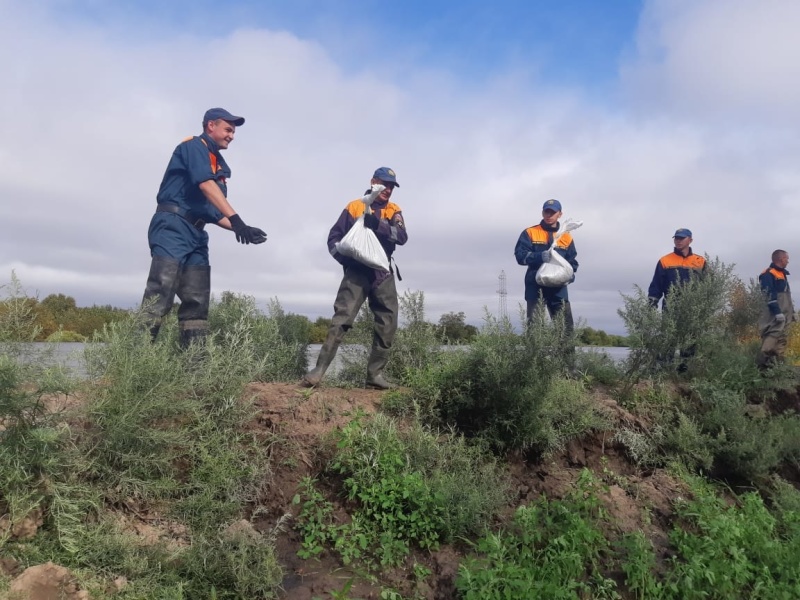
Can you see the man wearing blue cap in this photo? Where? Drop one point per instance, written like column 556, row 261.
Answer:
column 675, row 267
column 778, row 311
column 533, row 250
column 361, row 282
column 193, row 193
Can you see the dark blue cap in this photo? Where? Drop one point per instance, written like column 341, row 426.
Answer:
column 385, row 174
column 682, row 233
column 212, row 114
column 552, row 205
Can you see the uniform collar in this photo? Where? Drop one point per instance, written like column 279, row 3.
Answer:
column 547, row 227
column 675, row 251
column 211, row 144
column 784, row 271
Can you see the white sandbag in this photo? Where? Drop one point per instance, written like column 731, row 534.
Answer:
column 557, row 272
column 360, row 242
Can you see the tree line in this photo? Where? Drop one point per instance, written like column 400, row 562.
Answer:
column 58, row 318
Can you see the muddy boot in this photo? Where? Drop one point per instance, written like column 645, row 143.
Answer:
column 326, row 355
column 377, row 362
column 159, row 293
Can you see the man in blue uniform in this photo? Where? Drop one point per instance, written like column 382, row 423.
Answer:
column 193, row 193
column 676, row 268
column 533, row 250
column 361, row 282
column 778, row 311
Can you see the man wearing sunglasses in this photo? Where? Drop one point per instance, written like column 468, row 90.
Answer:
column 362, row 283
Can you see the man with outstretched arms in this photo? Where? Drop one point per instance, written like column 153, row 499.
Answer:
column 193, row 193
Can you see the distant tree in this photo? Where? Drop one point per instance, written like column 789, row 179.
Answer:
column 319, row 330
column 454, row 329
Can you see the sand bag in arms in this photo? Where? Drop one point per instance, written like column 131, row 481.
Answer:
column 557, row 272
column 360, row 242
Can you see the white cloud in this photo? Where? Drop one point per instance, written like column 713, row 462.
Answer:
column 96, row 115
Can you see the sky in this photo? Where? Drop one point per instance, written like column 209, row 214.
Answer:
column 641, row 117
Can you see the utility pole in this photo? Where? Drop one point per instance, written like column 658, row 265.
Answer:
column 502, row 292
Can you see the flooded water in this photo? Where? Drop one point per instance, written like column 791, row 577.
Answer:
column 70, row 354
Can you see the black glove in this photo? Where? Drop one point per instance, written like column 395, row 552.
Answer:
column 371, row 221
column 244, row 233
column 259, row 235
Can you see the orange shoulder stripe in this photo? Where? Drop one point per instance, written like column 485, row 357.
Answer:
column 675, row 261
column 538, row 235
column 356, row 209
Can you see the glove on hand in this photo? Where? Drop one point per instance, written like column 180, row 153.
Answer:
column 546, row 256
column 371, row 221
column 780, row 319
column 244, row 233
column 259, row 236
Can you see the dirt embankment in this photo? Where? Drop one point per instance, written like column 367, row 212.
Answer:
column 294, row 422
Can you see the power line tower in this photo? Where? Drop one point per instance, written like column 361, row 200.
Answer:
column 503, row 293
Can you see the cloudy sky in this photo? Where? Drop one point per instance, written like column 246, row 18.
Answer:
column 641, row 117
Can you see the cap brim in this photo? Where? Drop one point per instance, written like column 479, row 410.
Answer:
column 237, row 121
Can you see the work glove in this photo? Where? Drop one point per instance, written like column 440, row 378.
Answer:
column 246, row 234
column 780, row 319
column 545, row 256
column 371, row 221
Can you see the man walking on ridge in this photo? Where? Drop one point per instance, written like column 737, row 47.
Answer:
column 361, row 282
column 193, row 193
column 778, row 312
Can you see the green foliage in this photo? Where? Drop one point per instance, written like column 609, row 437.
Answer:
column 503, row 388
column 408, row 488
column 553, row 550
column 278, row 340
column 695, row 321
column 732, row 551
column 453, row 328
column 597, row 337
column 597, row 367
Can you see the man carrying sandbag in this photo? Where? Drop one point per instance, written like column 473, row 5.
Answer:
column 534, row 250
column 362, row 282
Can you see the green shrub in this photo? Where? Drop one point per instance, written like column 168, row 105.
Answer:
column 408, row 488
column 725, row 551
column 554, row 549
column 695, row 321
column 597, row 367
column 507, row 389
column 279, row 342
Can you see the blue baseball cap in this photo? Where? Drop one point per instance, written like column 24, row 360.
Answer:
column 682, row 233
column 385, row 174
column 552, row 205
column 212, row 114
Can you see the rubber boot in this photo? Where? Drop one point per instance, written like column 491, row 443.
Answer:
column 192, row 332
column 159, row 293
column 324, row 360
column 194, row 291
column 377, row 362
